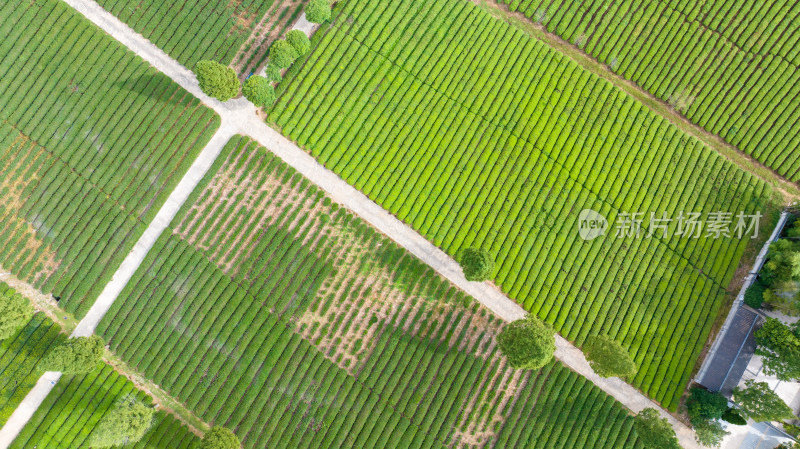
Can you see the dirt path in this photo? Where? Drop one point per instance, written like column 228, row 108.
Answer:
column 239, row 116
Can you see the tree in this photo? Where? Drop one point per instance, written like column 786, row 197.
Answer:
column 705, row 405
column 754, row 296
column 15, row 311
column 709, row 433
column 780, row 264
column 476, row 263
column 654, row 431
column 732, row 416
column 318, row 11
column 126, row 423
column 299, row 41
column 608, row 358
column 794, row 231
column 273, row 72
column 74, row 356
column 759, row 403
column 259, row 91
column 217, row 80
column 779, row 346
column 220, row 438
column 282, row 54
column 527, row 343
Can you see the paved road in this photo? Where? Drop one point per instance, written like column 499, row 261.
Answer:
column 238, row 116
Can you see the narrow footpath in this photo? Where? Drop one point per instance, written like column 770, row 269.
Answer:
column 239, row 117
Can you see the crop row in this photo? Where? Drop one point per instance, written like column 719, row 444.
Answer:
column 490, row 139
column 71, row 411
column 751, row 100
column 88, row 154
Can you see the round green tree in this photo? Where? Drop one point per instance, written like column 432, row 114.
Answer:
column 220, row 438
column 318, row 11
column 299, row 41
column 654, row 431
column 608, row 358
column 476, row 263
column 759, row 403
column 282, row 54
column 15, row 311
column 125, row 424
column 705, row 405
column 259, row 91
column 217, row 80
column 74, row 356
column 527, row 343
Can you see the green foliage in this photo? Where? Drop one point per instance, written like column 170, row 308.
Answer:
column 779, row 346
column 126, row 423
column 705, row 405
column 259, row 91
column 74, row 356
column 477, row 264
column 299, row 41
column 273, row 72
column 759, row 403
column 220, row 438
column 15, row 311
column 794, row 231
column 781, row 263
column 709, row 433
column 608, row 358
column 790, row 445
column 654, row 431
column 732, row 416
column 217, row 80
column 528, row 343
column 318, row 11
column 782, row 301
column 754, row 296
column 282, row 54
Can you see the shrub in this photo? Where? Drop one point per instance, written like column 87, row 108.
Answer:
column 608, row 358
column 282, row 54
column 733, row 417
column 705, row 405
column 476, row 263
column 318, row 11
column 220, row 438
column 74, row 356
column 759, row 403
column 654, row 431
column 527, row 343
column 259, row 91
column 15, row 311
column 217, row 80
column 754, row 296
column 125, row 424
column 709, row 433
column 299, row 41
column 273, row 72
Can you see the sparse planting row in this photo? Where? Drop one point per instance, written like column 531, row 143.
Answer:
column 481, row 137
column 263, row 277
column 87, row 154
column 742, row 84
column 70, row 415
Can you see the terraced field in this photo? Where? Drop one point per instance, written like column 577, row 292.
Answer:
column 270, row 310
column 77, row 404
column 731, row 67
column 479, row 136
column 87, row 154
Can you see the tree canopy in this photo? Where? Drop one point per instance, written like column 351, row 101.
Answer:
column 74, row 356
column 608, row 358
column 709, row 433
column 282, row 54
column 217, row 80
column 15, row 311
column 299, row 41
column 527, row 343
column 220, row 438
column 318, row 11
column 705, row 405
column 259, row 91
column 779, row 346
column 477, row 264
column 654, row 431
column 759, row 403
column 126, row 423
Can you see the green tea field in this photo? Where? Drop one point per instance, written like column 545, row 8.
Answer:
column 270, row 310
column 479, row 136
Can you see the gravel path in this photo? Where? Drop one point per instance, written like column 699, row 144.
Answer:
column 238, row 116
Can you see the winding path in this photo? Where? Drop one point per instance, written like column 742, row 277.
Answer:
column 238, row 116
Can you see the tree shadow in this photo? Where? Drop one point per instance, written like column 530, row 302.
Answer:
column 150, row 85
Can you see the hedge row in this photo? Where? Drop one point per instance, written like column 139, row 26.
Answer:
column 490, row 139
column 730, row 67
column 88, row 154
column 76, row 405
